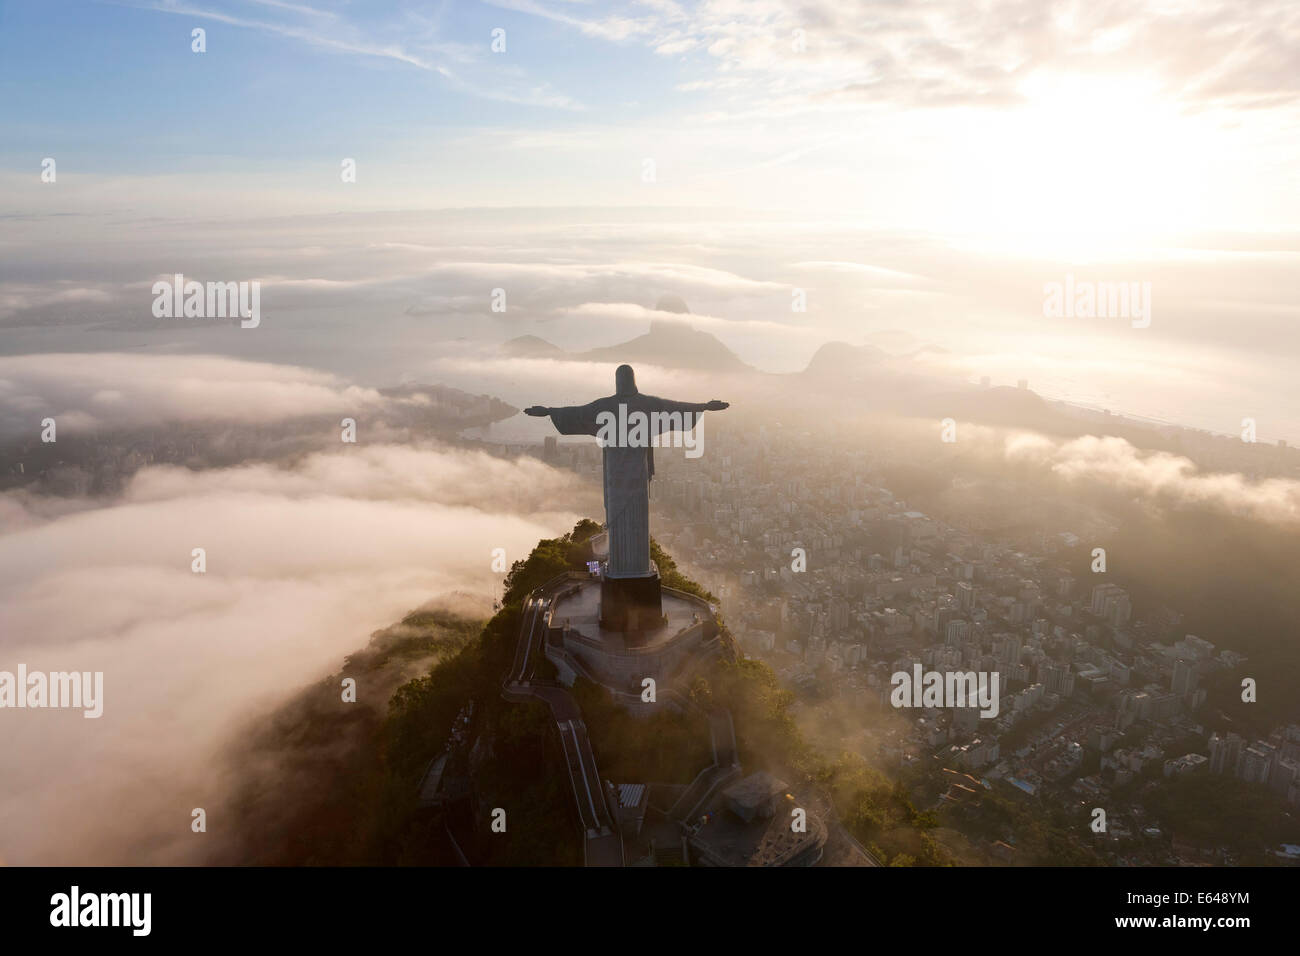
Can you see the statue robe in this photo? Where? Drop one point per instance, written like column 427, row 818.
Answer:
column 627, row 473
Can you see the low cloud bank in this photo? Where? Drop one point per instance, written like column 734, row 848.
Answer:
column 123, row 390
column 303, row 563
column 1118, row 463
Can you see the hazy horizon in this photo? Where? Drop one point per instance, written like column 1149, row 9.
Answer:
column 928, row 175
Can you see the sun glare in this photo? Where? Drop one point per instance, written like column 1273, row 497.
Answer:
column 1088, row 165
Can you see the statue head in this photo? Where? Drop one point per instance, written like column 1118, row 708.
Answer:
column 624, row 381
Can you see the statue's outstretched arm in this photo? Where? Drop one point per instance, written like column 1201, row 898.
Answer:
column 568, row 419
column 668, row 405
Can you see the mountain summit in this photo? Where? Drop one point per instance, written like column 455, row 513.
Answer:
column 670, row 343
column 672, row 303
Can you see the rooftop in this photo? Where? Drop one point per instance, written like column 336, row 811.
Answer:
column 756, row 789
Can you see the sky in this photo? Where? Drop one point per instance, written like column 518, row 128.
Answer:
column 923, row 169
column 1050, row 118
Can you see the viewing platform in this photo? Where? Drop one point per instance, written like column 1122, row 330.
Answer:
column 578, row 643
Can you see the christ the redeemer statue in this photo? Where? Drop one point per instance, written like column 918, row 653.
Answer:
column 627, row 423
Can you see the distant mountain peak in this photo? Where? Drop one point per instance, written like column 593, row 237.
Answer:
column 672, row 303
column 672, row 344
column 842, row 358
column 676, row 327
column 526, row 345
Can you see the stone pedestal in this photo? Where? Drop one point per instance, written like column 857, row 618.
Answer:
column 679, row 633
column 631, row 605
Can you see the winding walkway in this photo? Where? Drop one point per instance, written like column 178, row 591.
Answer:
column 602, row 844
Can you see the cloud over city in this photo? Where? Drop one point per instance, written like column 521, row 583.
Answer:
column 1115, row 462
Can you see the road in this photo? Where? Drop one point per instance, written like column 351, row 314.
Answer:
column 529, row 642
column 603, row 844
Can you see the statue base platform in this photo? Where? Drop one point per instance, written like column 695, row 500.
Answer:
column 679, row 636
column 631, row 604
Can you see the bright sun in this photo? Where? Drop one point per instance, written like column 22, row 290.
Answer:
column 1087, row 165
